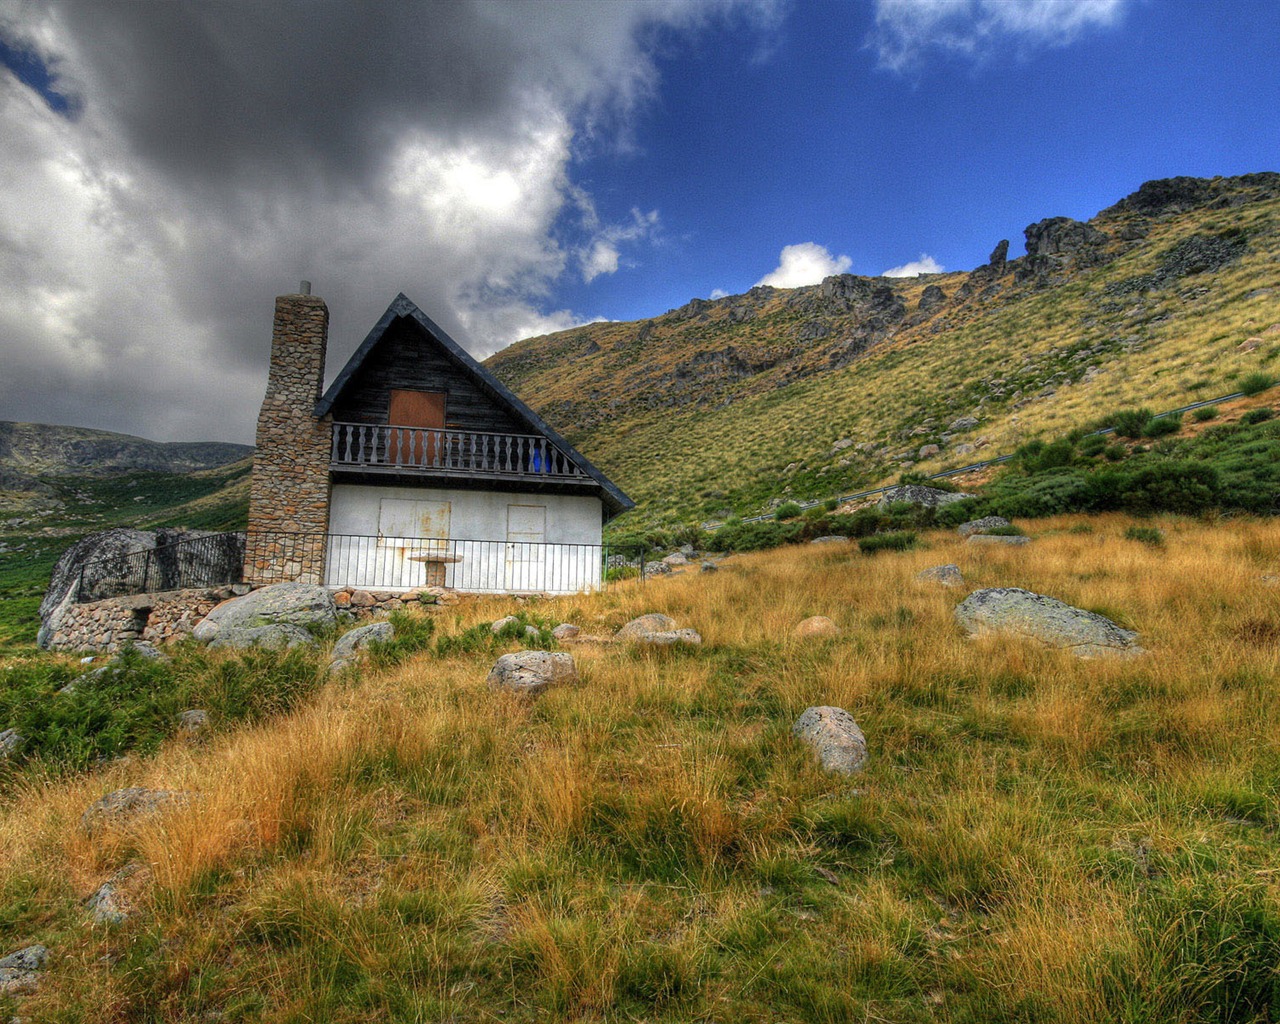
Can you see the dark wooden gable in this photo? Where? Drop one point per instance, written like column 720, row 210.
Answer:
column 406, row 357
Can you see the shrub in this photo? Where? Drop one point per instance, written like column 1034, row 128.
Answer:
column 1255, row 383
column 1256, row 416
column 1115, row 452
column 754, row 536
column 1145, row 535
column 1093, row 445
column 1162, row 426
column 617, row 573
column 1130, row 422
column 1205, row 413
column 899, row 541
column 787, row 510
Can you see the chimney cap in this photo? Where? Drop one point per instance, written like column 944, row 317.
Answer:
column 304, row 288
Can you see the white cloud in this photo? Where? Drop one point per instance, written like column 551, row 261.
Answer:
column 804, row 263
column 602, row 255
column 926, row 264
column 719, row 293
column 906, row 30
column 208, row 169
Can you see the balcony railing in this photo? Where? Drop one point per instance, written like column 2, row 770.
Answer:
column 449, row 452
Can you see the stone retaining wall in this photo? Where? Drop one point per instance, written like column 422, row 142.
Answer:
column 106, row 625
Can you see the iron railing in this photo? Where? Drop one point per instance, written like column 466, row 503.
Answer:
column 449, row 452
column 206, row 560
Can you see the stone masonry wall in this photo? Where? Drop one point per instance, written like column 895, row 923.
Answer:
column 289, row 492
column 107, row 625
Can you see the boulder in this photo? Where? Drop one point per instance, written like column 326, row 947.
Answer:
column 830, row 539
column 676, row 558
column 351, row 643
column 20, row 971
column 962, row 423
column 503, row 623
column 814, row 627
column 1046, row 619
column 566, row 631
column 918, row 494
column 980, row 539
column 835, row 738
column 293, row 604
column 656, row 569
column 928, row 451
column 528, row 673
column 983, row 525
column 948, row 575
column 11, row 744
column 130, row 803
column 710, row 567
column 277, row 636
column 654, row 622
column 669, row 638
column 104, row 557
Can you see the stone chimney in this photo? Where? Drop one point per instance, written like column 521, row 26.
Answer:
column 289, row 492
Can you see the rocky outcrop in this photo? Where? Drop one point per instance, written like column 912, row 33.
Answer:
column 918, row 494
column 529, row 673
column 1046, row 619
column 836, row 740
column 1062, row 236
column 932, row 299
column 300, row 605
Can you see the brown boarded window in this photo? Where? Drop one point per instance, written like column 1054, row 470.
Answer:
column 424, row 410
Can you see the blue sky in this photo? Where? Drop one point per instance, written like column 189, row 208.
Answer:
column 523, row 167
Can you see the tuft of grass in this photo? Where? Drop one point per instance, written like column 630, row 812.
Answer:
column 1205, row 413
column 899, row 541
column 1255, row 383
column 1145, row 535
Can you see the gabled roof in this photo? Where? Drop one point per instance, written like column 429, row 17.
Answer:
column 402, row 306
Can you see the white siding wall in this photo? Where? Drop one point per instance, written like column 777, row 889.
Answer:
column 484, row 544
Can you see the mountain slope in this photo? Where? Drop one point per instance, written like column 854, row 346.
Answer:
column 1170, row 295
column 39, row 449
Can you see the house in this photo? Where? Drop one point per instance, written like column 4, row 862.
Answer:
column 417, row 467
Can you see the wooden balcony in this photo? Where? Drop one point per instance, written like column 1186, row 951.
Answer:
column 424, row 451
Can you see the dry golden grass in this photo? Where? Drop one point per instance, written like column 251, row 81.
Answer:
column 1036, row 837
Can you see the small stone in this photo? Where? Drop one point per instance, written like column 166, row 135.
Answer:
column 20, row 971
column 982, row 538
column 11, row 744
column 835, row 738
column 983, row 525
column 528, row 673
column 566, row 631
column 654, row 622
column 669, row 638
column 830, row 539
column 948, row 575
column 962, row 423
column 710, row 567
column 815, row 627
column 193, row 722
column 132, row 802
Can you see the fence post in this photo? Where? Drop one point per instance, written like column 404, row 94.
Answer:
column 146, row 571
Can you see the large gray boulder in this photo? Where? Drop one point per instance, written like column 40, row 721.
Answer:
column 1046, row 619
column 528, row 673
column 835, row 738
column 918, row 494
column 119, row 562
column 997, row 540
column 669, row 638
column 295, row 604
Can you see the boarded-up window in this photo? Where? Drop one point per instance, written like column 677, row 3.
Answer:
column 421, row 409
column 526, row 550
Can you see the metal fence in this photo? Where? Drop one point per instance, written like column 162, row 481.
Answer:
column 364, row 562
column 205, row 560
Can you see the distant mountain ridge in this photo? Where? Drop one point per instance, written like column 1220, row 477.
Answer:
column 32, row 450
column 722, row 406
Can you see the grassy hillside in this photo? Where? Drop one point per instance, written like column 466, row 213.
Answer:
column 41, row 449
column 1035, row 837
column 717, row 407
